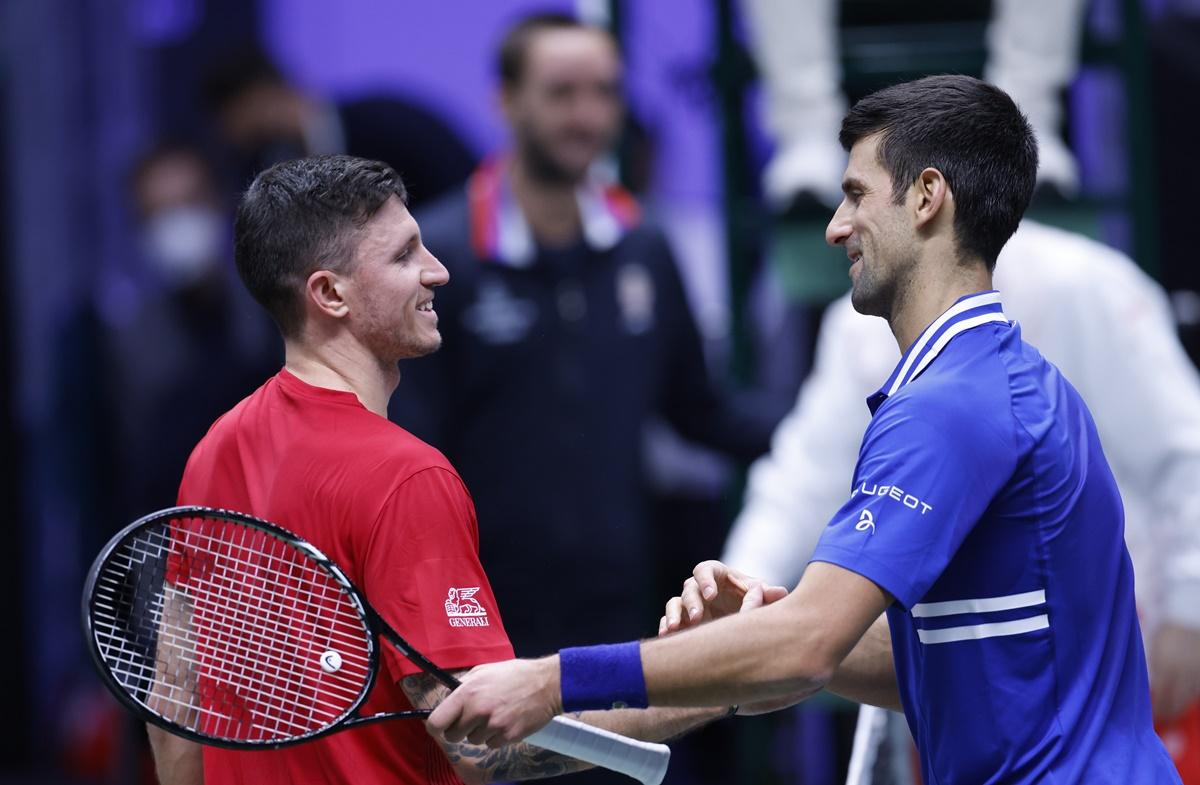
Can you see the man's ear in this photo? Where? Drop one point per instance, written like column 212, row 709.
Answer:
column 325, row 292
column 932, row 197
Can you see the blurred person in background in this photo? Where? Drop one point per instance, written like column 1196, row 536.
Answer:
column 144, row 369
column 566, row 327
column 166, row 344
column 1031, row 56
column 796, row 47
column 263, row 119
column 192, row 343
column 1108, row 327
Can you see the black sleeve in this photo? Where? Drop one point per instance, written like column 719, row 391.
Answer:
column 700, row 408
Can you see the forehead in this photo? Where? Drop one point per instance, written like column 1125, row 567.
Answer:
column 174, row 180
column 864, row 161
column 388, row 231
column 571, row 54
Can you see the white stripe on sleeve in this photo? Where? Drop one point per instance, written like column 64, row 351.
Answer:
column 976, row 632
column 1008, row 602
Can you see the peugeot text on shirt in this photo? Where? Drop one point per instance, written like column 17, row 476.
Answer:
column 895, row 492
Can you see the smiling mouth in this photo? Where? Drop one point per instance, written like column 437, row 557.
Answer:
column 426, row 306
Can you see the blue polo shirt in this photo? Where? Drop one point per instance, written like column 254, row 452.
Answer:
column 983, row 503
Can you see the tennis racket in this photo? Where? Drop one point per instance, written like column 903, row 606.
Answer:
column 231, row 631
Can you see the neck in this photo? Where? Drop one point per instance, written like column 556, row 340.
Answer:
column 335, row 365
column 550, row 208
column 933, row 290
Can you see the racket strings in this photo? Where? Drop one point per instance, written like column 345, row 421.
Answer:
column 270, row 665
column 284, row 658
column 221, row 628
column 261, row 569
column 342, row 628
column 255, row 640
column 345, row 696
column 226, row 602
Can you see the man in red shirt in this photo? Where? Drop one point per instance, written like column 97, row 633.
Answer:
column 329, row 248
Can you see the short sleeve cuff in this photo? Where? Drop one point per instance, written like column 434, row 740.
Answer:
column 873, row 570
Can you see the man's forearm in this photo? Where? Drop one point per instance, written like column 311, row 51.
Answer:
column 868, row 674
column 525, row 761
column 173, row 694
column 478, row 764
column 176, row 761
column 787, row 649
column 753, row 656
column 654, row 723
column 790, row 648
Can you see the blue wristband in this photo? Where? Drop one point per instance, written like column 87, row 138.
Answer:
column 603, row 677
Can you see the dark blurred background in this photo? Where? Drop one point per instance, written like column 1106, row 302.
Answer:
column 125, row 332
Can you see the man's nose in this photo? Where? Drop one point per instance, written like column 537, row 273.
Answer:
column 839, row 226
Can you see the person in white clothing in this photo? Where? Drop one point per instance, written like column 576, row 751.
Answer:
column 1092, row 312
column 1032, row 56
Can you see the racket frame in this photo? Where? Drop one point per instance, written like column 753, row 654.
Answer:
column 372, row 623
column 644, row 761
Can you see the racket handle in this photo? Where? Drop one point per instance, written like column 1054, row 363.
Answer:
column 645, row 761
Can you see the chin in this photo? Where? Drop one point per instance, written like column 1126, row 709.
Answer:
column 429, row 347
column 867, row 303
column 572, row 166
column 860, row 301
column 412, row 351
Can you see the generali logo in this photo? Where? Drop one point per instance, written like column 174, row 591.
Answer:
column 463, row 610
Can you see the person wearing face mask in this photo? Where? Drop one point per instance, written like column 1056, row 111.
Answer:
column 184, row 243
column 187, row 347
column 143, row 365
column 263, row 119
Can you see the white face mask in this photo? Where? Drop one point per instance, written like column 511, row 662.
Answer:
column 182, row 244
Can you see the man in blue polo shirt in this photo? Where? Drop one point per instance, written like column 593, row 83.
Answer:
column 982, row 516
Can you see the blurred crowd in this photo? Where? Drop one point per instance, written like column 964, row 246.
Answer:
column 585, row 388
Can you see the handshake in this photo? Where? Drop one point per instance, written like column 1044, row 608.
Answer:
column 503, row 702
column 715, row 590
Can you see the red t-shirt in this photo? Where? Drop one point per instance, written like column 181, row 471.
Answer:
column 394, row 515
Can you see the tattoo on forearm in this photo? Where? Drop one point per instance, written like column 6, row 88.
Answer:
column 423, row 691
column 514, row 762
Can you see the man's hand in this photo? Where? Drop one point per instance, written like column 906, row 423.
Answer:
column 713, row 591
column 1174, row 669
column 500, row 703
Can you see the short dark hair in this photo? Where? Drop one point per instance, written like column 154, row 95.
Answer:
column 301, row 216
column 228, row 78
column 968, row 130
column 514, row 47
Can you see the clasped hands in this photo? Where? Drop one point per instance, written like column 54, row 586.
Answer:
column 715, row 590
column 502, row 702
